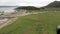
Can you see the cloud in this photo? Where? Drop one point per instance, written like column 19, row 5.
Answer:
column 35, row 2
column 9, row 2
column 25, row 2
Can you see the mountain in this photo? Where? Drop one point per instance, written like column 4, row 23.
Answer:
column 28, row 8
column 55, row 4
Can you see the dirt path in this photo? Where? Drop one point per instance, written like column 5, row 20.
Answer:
column 8, row 22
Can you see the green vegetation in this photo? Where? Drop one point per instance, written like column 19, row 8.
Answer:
column 43, row 23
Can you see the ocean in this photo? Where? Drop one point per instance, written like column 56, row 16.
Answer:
column 7, row 8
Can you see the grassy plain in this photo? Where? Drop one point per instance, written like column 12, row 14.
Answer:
column 42, row 23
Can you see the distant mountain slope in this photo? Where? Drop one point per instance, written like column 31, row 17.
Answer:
column 28, row 8
column 55, row 4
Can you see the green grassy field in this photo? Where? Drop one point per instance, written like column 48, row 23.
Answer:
column 43, row 23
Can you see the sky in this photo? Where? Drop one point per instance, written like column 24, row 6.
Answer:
column 25, row 2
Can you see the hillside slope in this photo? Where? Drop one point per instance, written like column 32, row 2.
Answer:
column 27, row 8
column 55, row 4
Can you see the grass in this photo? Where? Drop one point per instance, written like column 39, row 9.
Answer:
column 43, row 23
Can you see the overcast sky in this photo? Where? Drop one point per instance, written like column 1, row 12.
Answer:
column 25, row 2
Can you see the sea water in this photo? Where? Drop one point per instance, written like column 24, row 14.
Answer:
column 6, row 9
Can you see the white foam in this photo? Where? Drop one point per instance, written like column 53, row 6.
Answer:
column 3, row 20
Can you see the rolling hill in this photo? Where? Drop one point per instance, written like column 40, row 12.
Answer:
column 55, row 4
